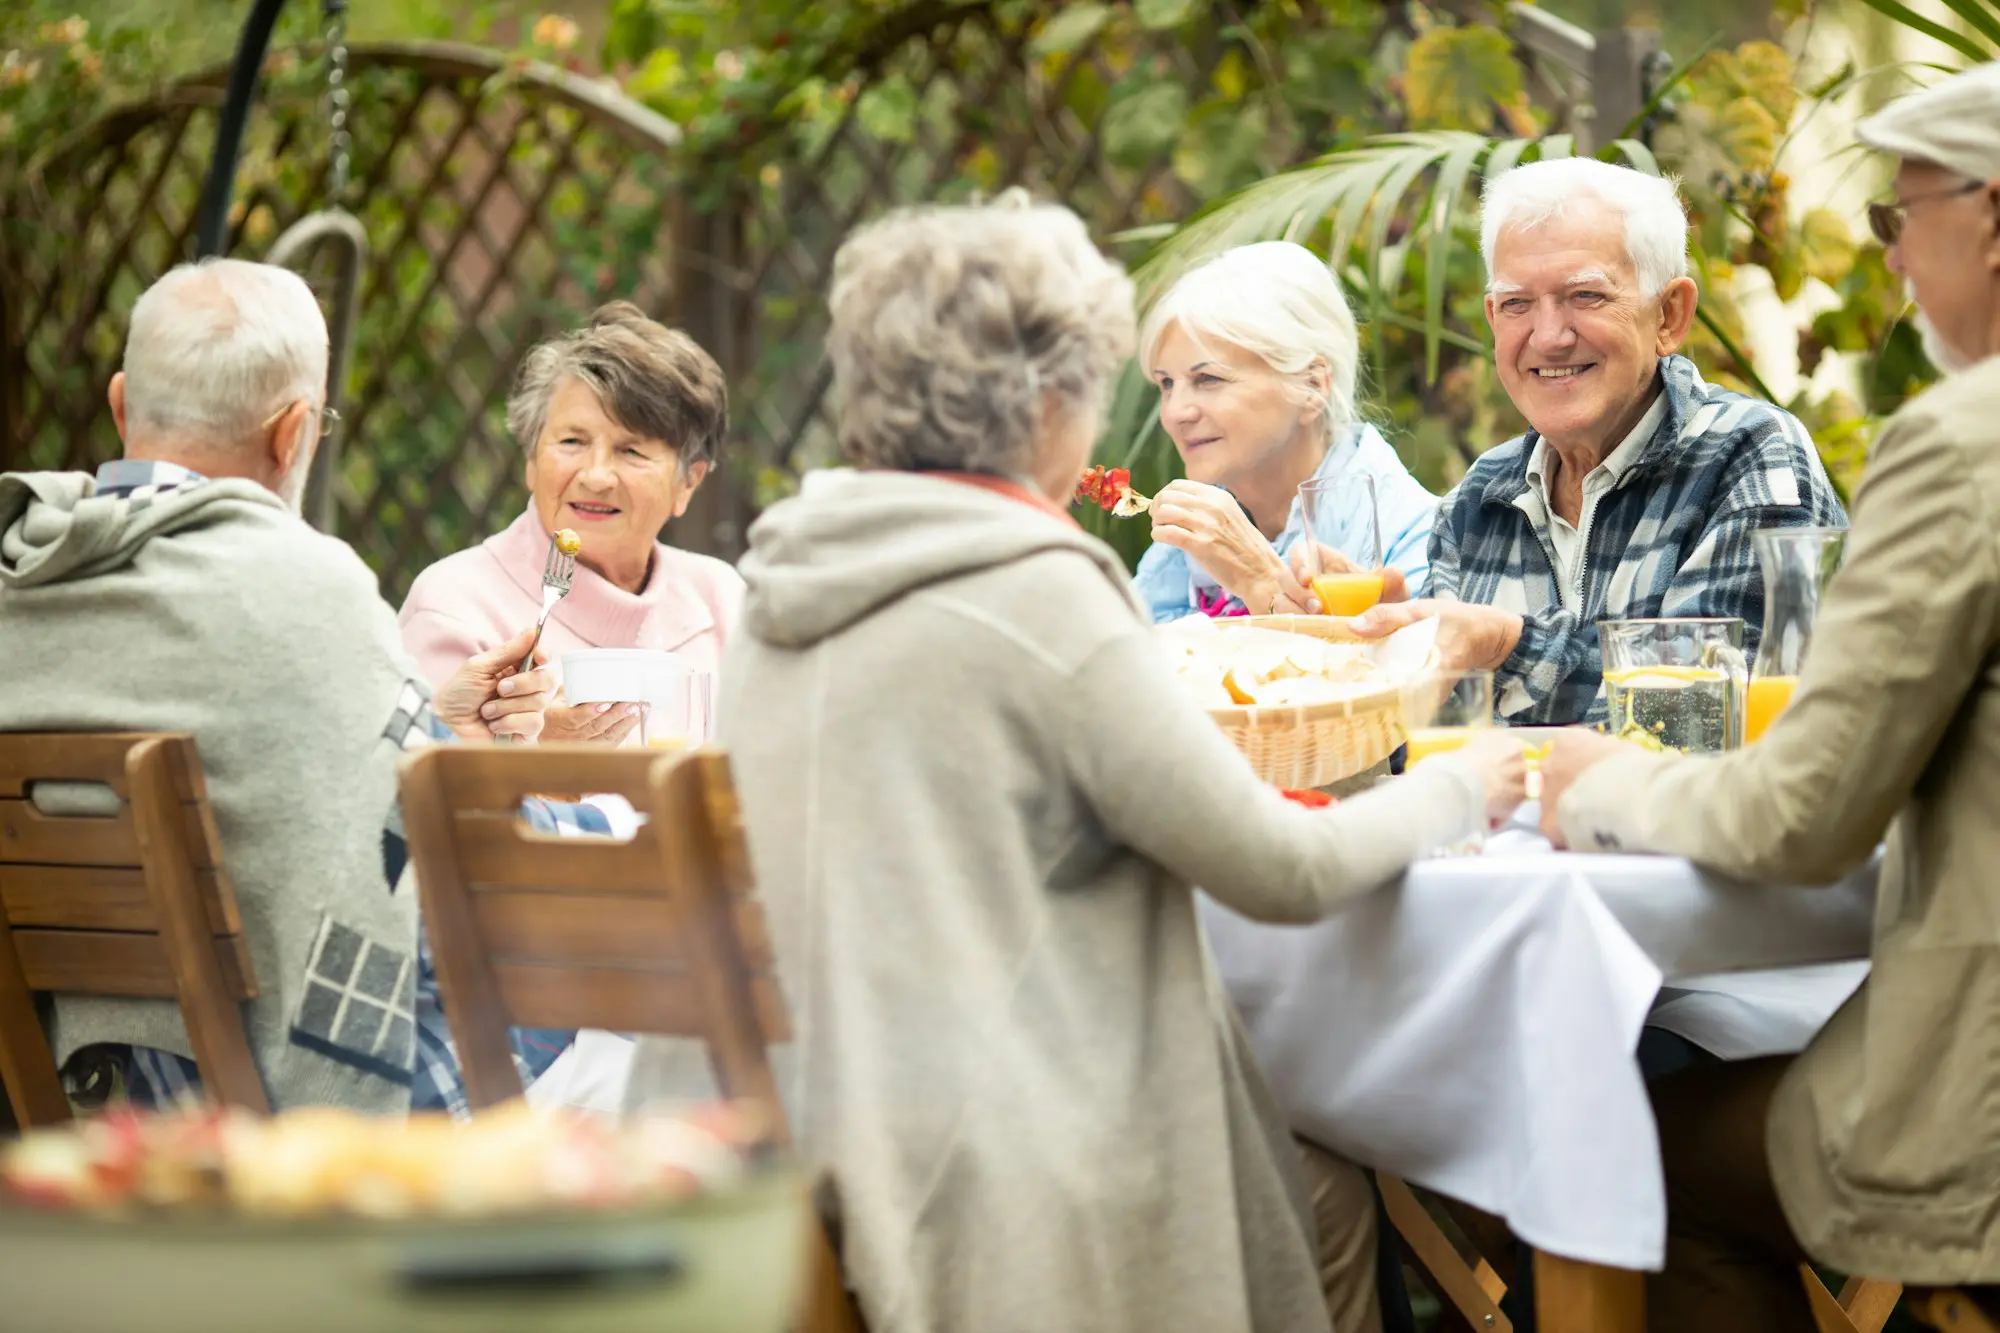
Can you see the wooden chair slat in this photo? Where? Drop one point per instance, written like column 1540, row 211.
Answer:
column 563, row 772
column 664, row 1003
column 581, row 928
column 84, row 756
column 100, row 898
column 27, row 836
column 492, row 853
column 104, row 962
column 1473, row 1293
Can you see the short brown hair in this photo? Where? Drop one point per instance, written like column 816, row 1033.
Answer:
column 650, row 379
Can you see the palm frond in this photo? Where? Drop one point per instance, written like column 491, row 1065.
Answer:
column 1909, row 18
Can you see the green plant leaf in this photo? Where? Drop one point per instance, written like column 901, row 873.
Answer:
column 1827, row 249
column 1158, row 14
column 1909, row 18
column 1140, row 127
column 1453, row 76
column 1979, row 14
column 1069, row 30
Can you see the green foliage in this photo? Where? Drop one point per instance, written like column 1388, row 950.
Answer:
column 1455, row 77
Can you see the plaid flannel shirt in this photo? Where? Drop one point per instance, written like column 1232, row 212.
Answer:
column 155, row 1077
column 1671, row 539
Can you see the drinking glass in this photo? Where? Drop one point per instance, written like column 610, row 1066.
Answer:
column 1679, row 681
column 675, row 715
column 1797, row 564
column 1343, row 537
column 1442, row 710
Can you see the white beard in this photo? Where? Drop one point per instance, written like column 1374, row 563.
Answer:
column 1941, row 354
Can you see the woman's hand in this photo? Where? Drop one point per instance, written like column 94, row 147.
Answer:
column 1498, row 760
column 491, row 697
column 591, row 724
column 1395, row 588
column 1208, row 523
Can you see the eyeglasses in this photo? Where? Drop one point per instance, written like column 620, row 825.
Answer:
column 328, row 419
column 1886, row 219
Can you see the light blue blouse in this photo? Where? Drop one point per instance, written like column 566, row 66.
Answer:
column 1171, row 583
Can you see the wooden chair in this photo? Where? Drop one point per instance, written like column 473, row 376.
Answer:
column 1471, row 1286
column 1863, row 1306
column 132, row 902
column 660, row 934
column 1954, row 1309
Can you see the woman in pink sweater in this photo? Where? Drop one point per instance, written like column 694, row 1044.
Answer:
column 621, row 420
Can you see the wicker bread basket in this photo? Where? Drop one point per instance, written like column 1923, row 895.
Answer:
column 1312, row 745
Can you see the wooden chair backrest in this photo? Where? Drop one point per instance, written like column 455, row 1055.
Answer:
column 132, row 903
column 661, row 934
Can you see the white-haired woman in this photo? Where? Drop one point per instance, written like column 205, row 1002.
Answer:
column 1255, row 356
column 978, row 800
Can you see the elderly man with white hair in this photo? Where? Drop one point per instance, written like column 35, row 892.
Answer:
column 1874, row 1151
column 179, row 590
column 1638, row 484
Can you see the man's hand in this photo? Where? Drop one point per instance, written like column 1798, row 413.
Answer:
column 1470, row 637
column 490, row 697
column 1207, row 523
column 1574, row 752
column 1395, row 588
column 601, row 724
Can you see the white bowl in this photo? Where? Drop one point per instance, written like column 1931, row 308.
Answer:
column 623, row 676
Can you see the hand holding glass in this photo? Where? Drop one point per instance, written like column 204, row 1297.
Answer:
column 1343, row 542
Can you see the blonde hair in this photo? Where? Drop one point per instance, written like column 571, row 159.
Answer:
column 954, row 326
column 1277, row 301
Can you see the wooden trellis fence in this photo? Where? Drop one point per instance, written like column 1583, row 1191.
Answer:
column 503, row 202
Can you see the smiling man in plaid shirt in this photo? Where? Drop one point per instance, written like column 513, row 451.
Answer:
column 1636, row 490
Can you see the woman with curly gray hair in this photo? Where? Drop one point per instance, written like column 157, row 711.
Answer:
column 978, row 799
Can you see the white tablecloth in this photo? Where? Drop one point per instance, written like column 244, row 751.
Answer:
column 1473, row 1029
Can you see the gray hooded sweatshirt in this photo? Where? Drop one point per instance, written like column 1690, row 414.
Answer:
column 978, row 803
column 211, row 609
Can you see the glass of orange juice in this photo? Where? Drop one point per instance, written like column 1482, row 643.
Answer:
column 1442, row 710
column 1343, row 551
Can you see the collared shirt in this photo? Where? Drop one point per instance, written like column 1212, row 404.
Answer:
column 1670, row 537
column 142, row 478
column 1566, row 541
column 1172, row 585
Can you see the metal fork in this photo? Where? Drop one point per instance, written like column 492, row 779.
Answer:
column 557, row 575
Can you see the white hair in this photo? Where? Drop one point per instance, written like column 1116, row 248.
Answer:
column 1276, row 300
column 1542, row 192
column 216, row 347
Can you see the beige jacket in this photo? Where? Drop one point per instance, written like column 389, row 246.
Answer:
column 977, row 800
column 1885, row 1135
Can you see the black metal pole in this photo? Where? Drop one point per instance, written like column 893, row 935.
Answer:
column 212, row 218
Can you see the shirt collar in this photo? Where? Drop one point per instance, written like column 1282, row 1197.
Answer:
column 121, row 476
column 1619, row 461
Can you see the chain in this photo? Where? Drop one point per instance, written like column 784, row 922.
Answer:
column 337, row 100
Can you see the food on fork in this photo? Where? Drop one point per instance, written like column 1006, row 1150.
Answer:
column 568, row 542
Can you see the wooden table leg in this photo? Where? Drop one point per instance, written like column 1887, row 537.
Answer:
column 1572, row 1296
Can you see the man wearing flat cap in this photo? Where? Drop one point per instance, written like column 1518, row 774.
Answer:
column 1877, row 1150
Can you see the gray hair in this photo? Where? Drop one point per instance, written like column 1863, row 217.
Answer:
column 1277, row 301
column 953, row 326
column 649, row 378
column 1542, row 192
column 217, row 346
